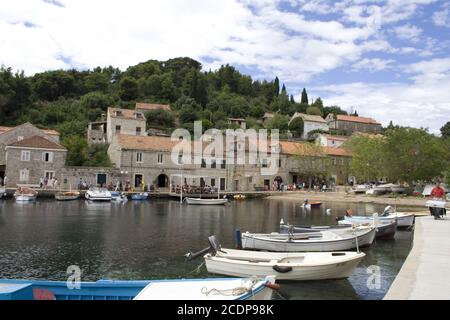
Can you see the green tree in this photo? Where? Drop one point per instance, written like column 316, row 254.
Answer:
column 445, row 130
column 279, row 122
column 77, row 150
column 276, row 86
column 296, row 126
column 368, row 157
column 304, row 100
column 98, row 156
column 128, row 88
column 314, row 111
column 160, row 118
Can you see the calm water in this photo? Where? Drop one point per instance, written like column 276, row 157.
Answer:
column 147, row 240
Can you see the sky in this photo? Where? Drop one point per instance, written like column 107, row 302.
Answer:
column 387, row 59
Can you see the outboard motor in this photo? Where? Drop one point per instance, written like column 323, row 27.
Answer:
column 214, row 246
column 387, row 211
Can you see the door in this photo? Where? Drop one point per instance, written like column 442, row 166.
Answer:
column 222, row 184
column 138, row 180
column 101, row 179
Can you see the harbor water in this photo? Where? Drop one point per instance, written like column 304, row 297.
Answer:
column 148, row 240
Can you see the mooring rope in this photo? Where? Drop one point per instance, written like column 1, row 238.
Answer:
column 232, row 292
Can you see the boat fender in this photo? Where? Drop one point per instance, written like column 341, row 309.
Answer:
column 282, row 269
column 273, row 286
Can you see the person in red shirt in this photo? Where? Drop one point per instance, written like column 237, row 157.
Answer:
column 438, row 193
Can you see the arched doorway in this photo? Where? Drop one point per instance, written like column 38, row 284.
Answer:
column 163, row 181
column 278, row 181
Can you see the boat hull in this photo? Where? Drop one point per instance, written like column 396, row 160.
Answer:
column 337, row 267
column 198, row 201
column 363, row 239
column 126, row 290
column 25, row 198
column 404, row 220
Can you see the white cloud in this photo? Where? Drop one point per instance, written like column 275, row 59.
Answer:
column 408, row 32
column 373, row 65
column 424, row 102
column 441, row 18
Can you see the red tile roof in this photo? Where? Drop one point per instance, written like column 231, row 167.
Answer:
column 126, row 113
column 37, row 142
column 342, row 117
column 152, row 106
column 337, row 152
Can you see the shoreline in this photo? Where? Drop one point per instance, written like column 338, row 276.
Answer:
column 351, row 198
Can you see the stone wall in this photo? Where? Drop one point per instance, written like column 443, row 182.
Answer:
column 71, row 176
column 36, row 167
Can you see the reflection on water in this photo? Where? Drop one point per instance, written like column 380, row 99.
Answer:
column 147, row 240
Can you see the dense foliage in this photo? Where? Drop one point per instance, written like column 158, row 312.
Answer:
column 401, row 155
column 67, row 100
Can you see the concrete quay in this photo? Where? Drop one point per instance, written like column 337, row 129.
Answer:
column 424, row 275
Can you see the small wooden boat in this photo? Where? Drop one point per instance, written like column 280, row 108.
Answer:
column 296, row 266
column 98, row 194
column 139, row 196
column 25, row 194
column 177, row 289
column 205, row 201
column 67, row 196
column 311, row 204
column 323, row 241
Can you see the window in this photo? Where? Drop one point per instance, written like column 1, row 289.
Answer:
column 180, row 159
column 47, row 156
column 139, row 157
column 224, row 164
column 264, row 163
column 118, row 129
column 25, row 156
column 24, row 175
column 203, row 163
column 138, row 131
column 160, row 158
column 213, row 182
column 279, row 163
column 118, row 113
column 19, row 138
column 49, row 174
column 213, row 164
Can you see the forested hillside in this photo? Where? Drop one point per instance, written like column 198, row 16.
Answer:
column 66, row 100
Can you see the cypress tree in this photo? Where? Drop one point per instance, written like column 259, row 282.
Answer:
column 304, row 99
column 276, row 86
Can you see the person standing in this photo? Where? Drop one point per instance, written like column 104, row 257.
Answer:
column 438, row 193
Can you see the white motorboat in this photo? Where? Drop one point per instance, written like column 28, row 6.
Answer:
column 285, row 266
column 118, row 196
column 386, row 228
column 329, row 240
column 404, row 219
column 98, row 194
column 206, row 201
column 379, row 190
column 209, row 289
column 25, row 194
column 361, row 188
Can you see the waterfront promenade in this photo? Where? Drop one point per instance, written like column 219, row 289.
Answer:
column 424, row 275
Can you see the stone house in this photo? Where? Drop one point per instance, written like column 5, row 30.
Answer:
column 326, row 140
column 239, row 122
column 96, row 132
column 347, row 125
column 148, row 160
column 10, row 135
column 32, row 158
column 311, row 123
column 124, row 121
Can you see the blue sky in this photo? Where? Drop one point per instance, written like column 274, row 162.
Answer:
column 388, row 59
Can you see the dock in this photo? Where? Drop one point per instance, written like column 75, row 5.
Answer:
column 424, row 275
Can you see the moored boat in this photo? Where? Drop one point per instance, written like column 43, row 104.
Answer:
column 67, row 196
column 118, row 196
column 98, row 194
column 404, row 219
column 285, row 266
column 177, row 289
column 25, row 194
column 361, row 188
column 330, row 240
column 384, row 229
column 205, row 201
column 139, row 196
